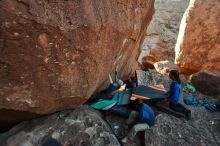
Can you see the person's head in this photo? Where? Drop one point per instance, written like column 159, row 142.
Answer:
column 174, row 75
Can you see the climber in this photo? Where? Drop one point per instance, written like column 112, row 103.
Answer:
column 117, row 80
column 116, row 85
column 140, row 119
column 174, row 94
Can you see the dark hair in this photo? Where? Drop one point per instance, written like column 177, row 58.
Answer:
column 175, row 74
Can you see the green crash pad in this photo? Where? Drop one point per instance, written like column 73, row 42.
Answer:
column 103, row 104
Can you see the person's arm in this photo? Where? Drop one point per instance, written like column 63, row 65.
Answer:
column 171, row 92
column 116, row 74
column 110, row 79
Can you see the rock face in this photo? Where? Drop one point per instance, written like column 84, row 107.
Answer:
column 117, row 124
column 68, row 128
column 164, row 67
column 207, row 82
column 198, row 45
column 163, row 30
column 202, row 129
column 56, row 54
column 152, row 77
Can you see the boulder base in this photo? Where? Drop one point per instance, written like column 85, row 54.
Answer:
column 207, row 82
column 83, row 126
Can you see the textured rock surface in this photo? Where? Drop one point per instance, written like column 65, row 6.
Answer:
column 117, row 123
column 56, row 54
column 198, row 45
column 207, row 82
column 203, row 129
column 152, row 77
column 147, row 62
column 164, row 67
column 163, row 30
column 69, row 128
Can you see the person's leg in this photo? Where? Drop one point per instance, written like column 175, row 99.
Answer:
column 116, row 75
column 132, row 117
column 186, row 111
column 136, row 128
column 180, row 108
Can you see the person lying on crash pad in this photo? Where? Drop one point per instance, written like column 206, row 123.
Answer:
column 174, row 94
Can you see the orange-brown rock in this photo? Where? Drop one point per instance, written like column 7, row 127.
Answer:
column 162, row 32
column 198, row 45
column 148, row 61
column 55, row 54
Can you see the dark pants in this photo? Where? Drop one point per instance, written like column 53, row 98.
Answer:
column 180, row 108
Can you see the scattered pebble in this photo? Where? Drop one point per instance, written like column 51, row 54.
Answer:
column 16, row 34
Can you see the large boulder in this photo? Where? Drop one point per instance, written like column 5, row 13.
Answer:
column 203, row 129
column 55, row 54
column 160, row 40
column 164, row 67
column 147, row 62
column 207, row 82
column 198, row 44
column 152, row 77
column 82, row 127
